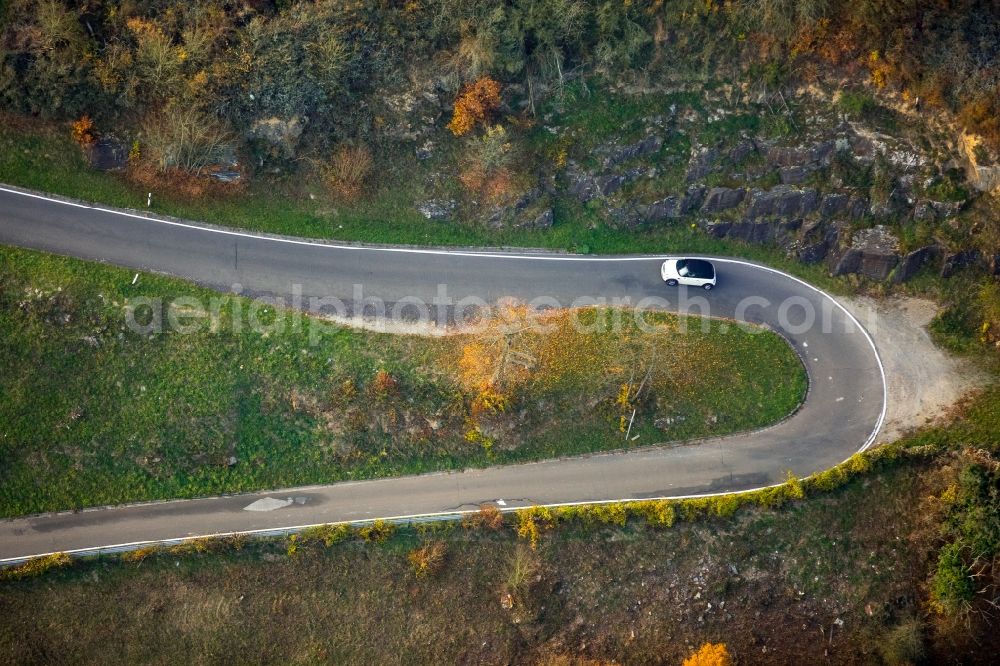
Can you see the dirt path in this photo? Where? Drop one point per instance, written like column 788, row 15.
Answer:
column 924, row 380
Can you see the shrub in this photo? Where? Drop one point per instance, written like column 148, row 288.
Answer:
column 327, row 534
column 476, row 103
column 139, row 554
column 377, row 532
column 348, row 171
column 428, row 559
column 659, row 513
column 903, row 644
column 36, row 566
column 726, row 505
column 951, row 586
column 609, row 514
column 488, row 516
column 384, row 384
column 828, row 480
column 292, row 548
column 856, row 104
column 190, row 546
column 183, row 137
column 710, row 654
column 84, row 132
column 531, row 521
column 523, row 566
column 693, row 508
column 859, row 463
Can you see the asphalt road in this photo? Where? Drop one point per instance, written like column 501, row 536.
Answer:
column 843, row 411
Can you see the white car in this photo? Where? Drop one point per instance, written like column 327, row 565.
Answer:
column 692, row 272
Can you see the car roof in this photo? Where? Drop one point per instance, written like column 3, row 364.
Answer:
column 698, row 265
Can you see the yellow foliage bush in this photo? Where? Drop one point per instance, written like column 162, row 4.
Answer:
column 531, row 521
column 139, row 554
column 326, row 534
column 659, row 513
column 36, row 566
column 190, row 546
column 84, row 132
column 378, row 531
column 476, row 103
column 710, row 654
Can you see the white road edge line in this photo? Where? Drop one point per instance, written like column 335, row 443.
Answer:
column 97, row 550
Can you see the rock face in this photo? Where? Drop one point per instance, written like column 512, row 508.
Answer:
column 719, row 199
column 794, row 175
column 107, row 154
column 413, row 113
column 651, row 144
column 873, row 253
column 282, row 135
column 544, row 220
column 913, row 261
column 782, row 201
column 793, row 156
column 586, row 186
column 755, row 231
column 701, row 163
column 437, row 209
column 953, row 262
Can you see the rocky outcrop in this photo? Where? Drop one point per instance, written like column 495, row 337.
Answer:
column 801, row 156
column 912, row 262
column 701, row 163
column 817, row 240
column 413, row 113
column 281, row 135
column 543, row 220
column 935, row 211
column 755, row 231
column 719, row 199
column 795, row 175
column 782, row 201
column 585, row 186
column 673, row 207
column 873, row 253
column 437, row 209
column 957, row 260
column 531, row 210
column 647, row 146
column 107, row 154
column 742, row 150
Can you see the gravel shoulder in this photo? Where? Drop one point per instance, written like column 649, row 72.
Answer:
column 924, row 380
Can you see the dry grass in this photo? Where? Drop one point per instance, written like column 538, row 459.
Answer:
column 633, row 595
column 348, row 172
